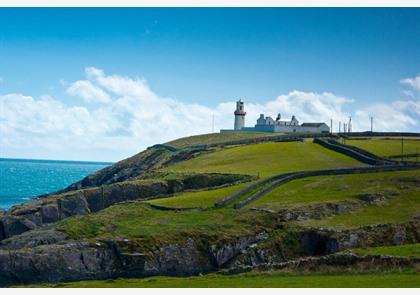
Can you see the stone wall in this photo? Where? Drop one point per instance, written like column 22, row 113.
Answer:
column 379, row 134
column 284, row 178
column 358, row 154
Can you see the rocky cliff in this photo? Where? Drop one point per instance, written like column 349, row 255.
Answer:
column 47, row 255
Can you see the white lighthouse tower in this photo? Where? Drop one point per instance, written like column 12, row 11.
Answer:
column 239, row 115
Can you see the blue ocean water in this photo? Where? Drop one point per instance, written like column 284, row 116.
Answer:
column 22, row 179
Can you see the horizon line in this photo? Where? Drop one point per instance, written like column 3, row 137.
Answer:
column 56, row 160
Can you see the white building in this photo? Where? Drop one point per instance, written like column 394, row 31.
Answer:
column 268, row 124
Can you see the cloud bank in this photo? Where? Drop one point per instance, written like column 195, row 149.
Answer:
column 412, row 82
column 414, row 87
column 118, row 116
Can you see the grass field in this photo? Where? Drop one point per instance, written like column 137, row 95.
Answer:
column 408, row 250
column 388, row 147
column 205, row 198
column 262, row 279
column 399, row 208
column 213, row 138
column 336, row 188
column 402, row 208
column 148, row 229
column 267, row 159
column 138, row 220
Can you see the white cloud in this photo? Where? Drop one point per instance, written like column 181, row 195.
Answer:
column 408, row 93
column 414, row 82
column 309, row 106
column 121, row 86
column 88, row 91
column 397, row 116
column 130, row 117
column 401, row 115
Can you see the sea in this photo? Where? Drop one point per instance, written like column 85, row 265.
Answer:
column 23, row 179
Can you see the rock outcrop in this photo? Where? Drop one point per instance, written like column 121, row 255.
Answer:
column 55, row 263
column 319, row 241
column 153, row 158
column 313, row 211
column 41, row 211
column 46, row 255
column 24, row 261
column 333, row 263
column 32, row 239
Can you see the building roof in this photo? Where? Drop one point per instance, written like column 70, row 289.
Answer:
column 312, row 124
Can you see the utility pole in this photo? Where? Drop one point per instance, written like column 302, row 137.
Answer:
column 371, row 124
column 339, row 127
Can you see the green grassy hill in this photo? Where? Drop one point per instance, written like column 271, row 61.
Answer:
column 404, row 206
column 400, row 191
column 140, row 227
column 140, row 221
column 267, row 159
column 337, row 188
column 136, row 220
column 389, row 147
column 214, row 138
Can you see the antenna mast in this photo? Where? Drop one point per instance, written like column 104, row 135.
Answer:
column 349, row 126
column 331, row 131
column 371, row 124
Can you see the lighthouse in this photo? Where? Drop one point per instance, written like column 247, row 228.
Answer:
column 268, row 124
column 239, row 115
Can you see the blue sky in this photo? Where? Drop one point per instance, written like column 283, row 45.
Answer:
column 206, row 58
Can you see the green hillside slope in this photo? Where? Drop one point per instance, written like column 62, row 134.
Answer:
column 181, row 231
column 402, row 207
column 151, row 228
column 214, row 138
column 267, row 159
column 319, row 189
column 389, row 147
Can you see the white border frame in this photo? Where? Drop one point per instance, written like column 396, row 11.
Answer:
column 210, row 3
